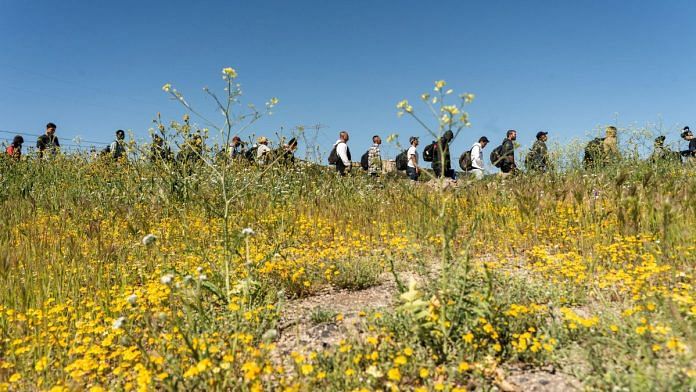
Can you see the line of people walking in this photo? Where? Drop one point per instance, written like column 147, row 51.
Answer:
column 599, row 152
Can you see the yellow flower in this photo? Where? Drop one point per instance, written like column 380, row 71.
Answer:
column 15, row 377
column 439, row 85
column 408, row 351
column 307, row 369
column 167, row 87
column 229, row 72
column 400, row 360
column 394, row 374
column 423, row 373
column 463, row 366
column 41, row 364
column 468, row 338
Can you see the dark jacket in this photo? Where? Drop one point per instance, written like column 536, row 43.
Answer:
column 538, row 157
column 441, row 151
column 508, row 156
column 47, row 142
column 691, row 152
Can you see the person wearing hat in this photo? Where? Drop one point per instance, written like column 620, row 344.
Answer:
column 689, row 137
column 262, row 150
column 412, row 168
column 477, row 166
column 537, row 159
column 236, row 148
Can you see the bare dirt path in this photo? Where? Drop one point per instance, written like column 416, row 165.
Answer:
column 303, row 330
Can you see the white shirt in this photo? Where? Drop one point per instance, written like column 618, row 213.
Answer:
column 262, row 150
column 412, row 152
column 342, row 152
column 477, row 156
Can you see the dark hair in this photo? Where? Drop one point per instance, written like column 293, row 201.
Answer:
column 374, row 137
column 18, row 140
column 685, row 133
column 510, row 132
column 449, row 135
column 412, row 139
column 121, row 132
column 51, row 125
column 292, row 142
column 483, row 139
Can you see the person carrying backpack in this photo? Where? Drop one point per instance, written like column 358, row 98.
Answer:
column 117, row 149
column 48, row 141
column 442, row 163
column 537, row 159
column 662, row 154
column 286, row 155
column 159, row 151
column 412, row 168
column 477, row 166
column 14, row 150
column 263, row 152
column 600, row 152
column 689, row 153
column 503, row 157
column 374, row 158
column 340, row 154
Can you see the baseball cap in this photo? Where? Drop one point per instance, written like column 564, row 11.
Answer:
column 540, row 134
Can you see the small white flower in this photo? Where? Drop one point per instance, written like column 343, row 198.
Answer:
column 187, row 278
column 149, row 239
column 247, row 231
column 167, row 279
column 199, row 270
column 132, row 298
column 202, row 277
column 118, row 323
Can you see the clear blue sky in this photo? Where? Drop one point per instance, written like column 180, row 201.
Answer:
column 562, row 66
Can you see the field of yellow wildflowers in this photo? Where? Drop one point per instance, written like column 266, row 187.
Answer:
column 113, row 279
column 144, row 276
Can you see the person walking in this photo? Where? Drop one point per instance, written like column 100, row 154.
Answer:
column 286, row 154
column 236, row 148
column 118, row 146
column 690, row 152
column 14, row 150
column 48, row 141
column 159, row 151
column 343, row 158
column 537, row 159
column 412, row 168
column 477, row 165
column 262, row 150
column 374, row 157
column 442, row 163
column 507, row 164
column 662, row 154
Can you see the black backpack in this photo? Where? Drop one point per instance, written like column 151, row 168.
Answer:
column 593, row 151
column 402, row 160
column 333, row 156
column 429, row 152
column 465, row 161
column 250, row 154
column 497, row 156
column 365, row 160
